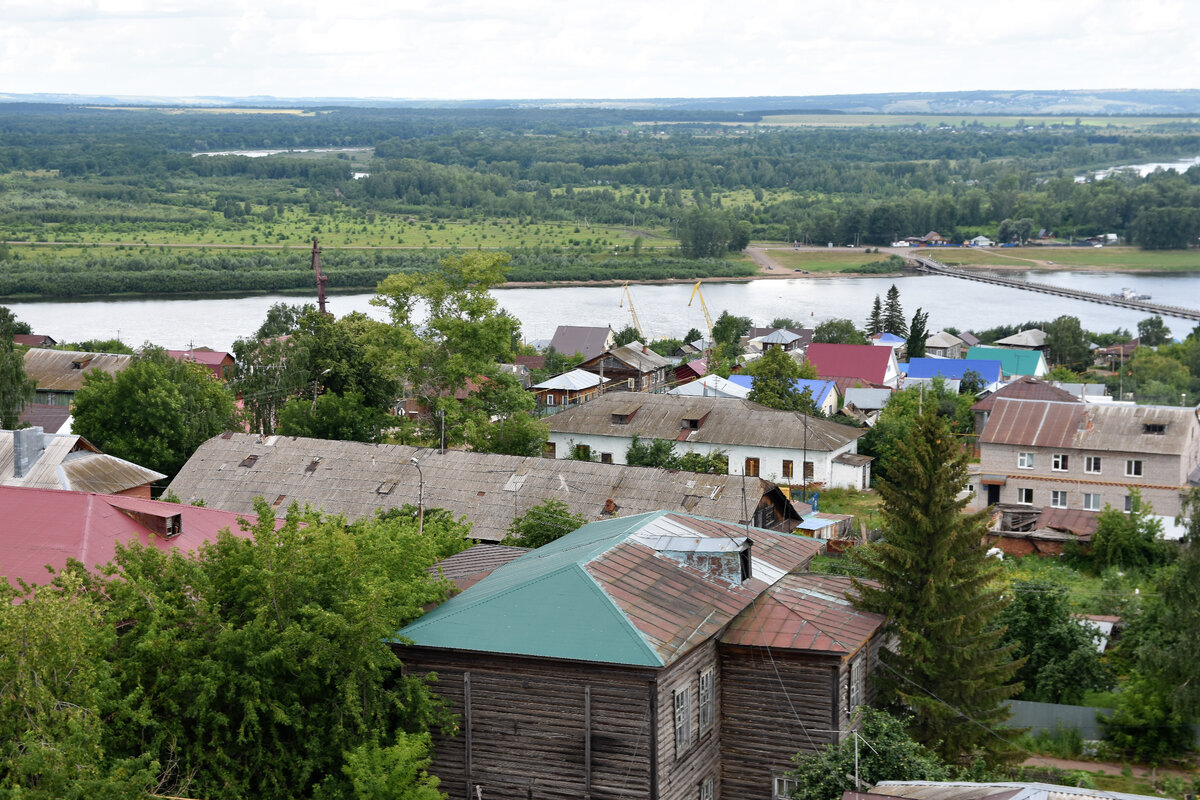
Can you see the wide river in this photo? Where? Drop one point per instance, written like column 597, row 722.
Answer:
column 662, row 309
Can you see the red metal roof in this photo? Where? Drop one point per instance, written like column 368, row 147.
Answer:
column 865, row 362
column 1072, row 520
column 805, row 612
column 46, row 526
column 1033, row 422
column 209, row 358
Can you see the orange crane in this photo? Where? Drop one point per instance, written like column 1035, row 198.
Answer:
column 707, row 317
column 636, row 323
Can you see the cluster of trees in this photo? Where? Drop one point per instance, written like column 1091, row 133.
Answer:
column 661, row 453
column 258, row 666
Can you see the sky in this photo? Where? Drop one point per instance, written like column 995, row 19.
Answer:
column 471, row 49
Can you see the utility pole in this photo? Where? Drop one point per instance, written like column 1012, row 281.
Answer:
column 321, row 279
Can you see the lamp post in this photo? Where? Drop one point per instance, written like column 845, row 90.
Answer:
column 420, row 497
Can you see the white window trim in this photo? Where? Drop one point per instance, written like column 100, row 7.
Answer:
column 1060, row 458
column 1096, row 506
column 1055, row 496
column 707, row 692
column 782, row 787
column 1129, row 468
column 682, row 701
column 1020, row 493
column 1089, row 461
column 1025, row 460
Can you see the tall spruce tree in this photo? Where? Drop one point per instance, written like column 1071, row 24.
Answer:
column 930, row 576
column 875, row 321
column 918, row 332
column 893, row 314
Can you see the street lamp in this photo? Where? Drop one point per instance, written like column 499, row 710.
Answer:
column 420, row 497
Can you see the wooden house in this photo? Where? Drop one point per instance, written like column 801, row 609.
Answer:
column 569, row 389
column 59, row 373
column 632, row 368
column 659, row 656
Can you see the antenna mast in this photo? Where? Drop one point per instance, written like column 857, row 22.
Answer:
column 321, row 279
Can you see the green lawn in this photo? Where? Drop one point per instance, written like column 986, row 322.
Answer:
column 1100, row 258
column 831, row 260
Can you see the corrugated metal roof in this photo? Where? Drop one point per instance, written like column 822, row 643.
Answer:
column 588, row 341
column 1033, row 422
column 63, row 370
column 71, row 462
column 805, row 612
column 1113, row 428
column 1013, row 362
column 780, row 336
column 574, row 381
column 711, row 386
column 954, row 368
column 44, row 526
column 929, row 790
column 941, row 339
column 489, row 490
column 862, row 361
column 1025, row 388
column 599, row 594
column 50, row 418
column 1030, row 338
column 867, row 399
column 727, row 421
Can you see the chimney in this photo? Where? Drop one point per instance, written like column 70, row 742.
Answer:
column 645, row 349
column 28, row 446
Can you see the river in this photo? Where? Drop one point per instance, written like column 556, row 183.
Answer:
column 663, row 309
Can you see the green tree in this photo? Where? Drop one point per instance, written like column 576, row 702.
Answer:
column 782, row 323
column 693, row 335
column 1068, row 343
column 1152, row 332
column 917, row 334
column 543, row 523
column 875, row 320
column 1129, row 540
column 345, row 417
column 728, row 329
column 889, row 754
column 393, row 772
column 626, row 335
column 254, row 667
column 971, row 383
column 155, row 412
column 940, row 593
column 652, row 453
column 838, row 331
column 98, row 346
column 16, row 388
column 775, row 376
column 898, row 420
column 1166, row 228
column 893, row 314
column 1061, row 663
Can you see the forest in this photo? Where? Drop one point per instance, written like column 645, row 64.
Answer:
column 576, row 194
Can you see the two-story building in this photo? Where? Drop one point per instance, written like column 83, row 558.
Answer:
column 633, row 367
column 785, row 446
column 1084, row 456
column 659, row 656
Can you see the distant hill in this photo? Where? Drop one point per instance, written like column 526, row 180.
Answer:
column 1066, row 102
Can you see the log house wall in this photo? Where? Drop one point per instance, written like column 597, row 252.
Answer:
column 680, row 774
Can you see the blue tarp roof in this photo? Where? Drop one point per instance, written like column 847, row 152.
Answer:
column 820, row 389
column 953, row 368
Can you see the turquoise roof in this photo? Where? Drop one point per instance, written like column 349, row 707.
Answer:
column 1012, row 362
column 576, row 619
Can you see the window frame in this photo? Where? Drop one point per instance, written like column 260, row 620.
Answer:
column 1024, row 491
column 1135, row 468
column 705, row 699
column 1093, row 464
column 786, row 468
column 752, row 467
column 782, row 787
column 1060, row 462
column 681, row 700
column 1058, row 498
column 1089, row 507
column 706, row 788
column 1025, row 459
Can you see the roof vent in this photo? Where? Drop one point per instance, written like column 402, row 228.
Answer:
column 164, row 526
column 312, row 467
column 248, row 461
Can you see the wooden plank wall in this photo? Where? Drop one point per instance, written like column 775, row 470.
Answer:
column 679, row 775
column 540, row 728
column 774, row 704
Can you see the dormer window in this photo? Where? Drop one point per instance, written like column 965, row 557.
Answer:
column 620, row 419
column 690, row 424
column 1154, row 429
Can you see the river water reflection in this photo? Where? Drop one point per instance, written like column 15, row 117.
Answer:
column 662, row 309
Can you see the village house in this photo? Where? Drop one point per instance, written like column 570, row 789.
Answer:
column 824, row 393
column 945, row 345
column 1113, row 356
column 569, row 389
column 219, row 363
column 661, row 655
column 588, row 341
column 925, row 370
column 712, row 386
column 632, row 368
column 357, row 479
column 58, row 374
column 783, row 446
column 867, row 364
column 44, row 527
column 1072, row 456
column 691, row 371
column 34, row 459
column 1013, row 363
column 1032, row 339
column 1022, row 388
column 782, row 339
column 34, row 340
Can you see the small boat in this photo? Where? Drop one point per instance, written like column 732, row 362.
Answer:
column 1129, row 294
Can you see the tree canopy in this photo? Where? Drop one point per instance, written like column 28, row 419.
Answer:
column 16, row 388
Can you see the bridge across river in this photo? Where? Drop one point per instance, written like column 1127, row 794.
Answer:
column 936, row 267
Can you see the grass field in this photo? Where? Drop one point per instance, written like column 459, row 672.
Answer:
column 832, row 260
column 1101, row 258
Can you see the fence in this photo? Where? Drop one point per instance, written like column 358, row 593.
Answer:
column 1048, row 716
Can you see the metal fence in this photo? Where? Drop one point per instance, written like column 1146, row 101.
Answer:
column 1048, row 716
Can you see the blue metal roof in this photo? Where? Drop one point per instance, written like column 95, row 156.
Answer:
column 954, row 368
column 820, row 389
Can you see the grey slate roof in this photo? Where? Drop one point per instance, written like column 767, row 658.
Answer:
column 71, row 462
column 1030, row 338
column 63, row 370
column 586, row 340
column 941, row 339
column 640, row 357
column 723, row 420
column 489, row 490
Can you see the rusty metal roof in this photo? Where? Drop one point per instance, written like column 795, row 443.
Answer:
column 805, row 612
column 63, row 370
column 475, row 563
column 489, row 490
column 1072, row 520
column 1025, row 388
column 602, row 594
column 727, row 421
column 1098, row 427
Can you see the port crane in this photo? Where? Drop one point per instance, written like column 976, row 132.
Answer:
column 703, row 305
column 636, row 323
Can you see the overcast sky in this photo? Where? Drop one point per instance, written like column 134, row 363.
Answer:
column 611, row 48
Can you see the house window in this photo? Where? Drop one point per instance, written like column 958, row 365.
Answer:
column 1024, row 460
column 752, row 467
column 690, row 424
column 1128, row 503
column 1133, row 468
column 1091, row 502
column 706, row 788
column 854, row 690
column 550, row 398
column 1154, row 429
column 583, row 452
column 808, row 470
column 1025, row 497
column 1060, row 462
column 683, row 720
column 606, row 458
column 784, row 788
column 549, row 450
column 787, row 468
column 1058, row 499
column 706, row 699
column 620, row 419
column 1092, row 464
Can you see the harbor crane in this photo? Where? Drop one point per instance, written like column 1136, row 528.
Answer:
column 636, row 323
column 703, row 305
